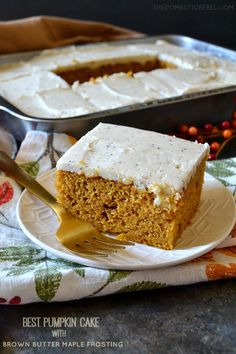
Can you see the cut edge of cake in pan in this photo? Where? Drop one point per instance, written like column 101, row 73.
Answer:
column 139, row 185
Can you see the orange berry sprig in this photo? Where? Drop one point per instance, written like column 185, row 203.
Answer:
column 215, row 135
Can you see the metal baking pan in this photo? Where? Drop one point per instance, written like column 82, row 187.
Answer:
column 159, row 115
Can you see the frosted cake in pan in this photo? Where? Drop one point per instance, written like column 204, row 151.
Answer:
column 140, row 185
column 99, row 77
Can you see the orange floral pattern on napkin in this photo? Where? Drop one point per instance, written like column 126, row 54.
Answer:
column 222, row 270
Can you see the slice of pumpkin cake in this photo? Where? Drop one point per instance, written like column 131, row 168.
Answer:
column 140, row 185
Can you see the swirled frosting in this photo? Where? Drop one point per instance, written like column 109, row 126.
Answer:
column 35, row 88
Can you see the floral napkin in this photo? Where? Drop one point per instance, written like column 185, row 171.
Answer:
column 30, row 274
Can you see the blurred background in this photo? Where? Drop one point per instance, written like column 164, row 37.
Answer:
column 212, row 21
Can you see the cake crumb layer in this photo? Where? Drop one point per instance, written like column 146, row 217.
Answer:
column 124, row 210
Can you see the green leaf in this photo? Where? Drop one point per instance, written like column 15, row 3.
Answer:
column 29, row 261
column 16, row 270
column 25, row 258
column 222, row 169
column 62, row 264
column 115, row 275
column 47, row 282
column 17, row 252
column 144, row 285
column 32, row 168
column 9, row 258
column 81, row 272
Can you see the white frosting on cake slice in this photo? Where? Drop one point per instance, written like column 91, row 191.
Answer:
column 88, row 56
column 14, row 70
column 159, row 163
column 127, row 86
column 181, row 57
column 99, row 96
column 111, row 55
column 114, row 91
column 58, row 103
column 51, row 59
column 30, row 85
column 174, row 82
column 227, row 76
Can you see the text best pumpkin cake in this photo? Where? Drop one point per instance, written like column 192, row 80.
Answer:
column 140, row 185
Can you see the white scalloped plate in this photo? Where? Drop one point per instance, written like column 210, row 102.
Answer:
column 211, row 224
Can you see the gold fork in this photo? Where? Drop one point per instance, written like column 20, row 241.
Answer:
column 78, row 236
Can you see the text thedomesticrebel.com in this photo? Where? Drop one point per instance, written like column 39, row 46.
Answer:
column 193, row 7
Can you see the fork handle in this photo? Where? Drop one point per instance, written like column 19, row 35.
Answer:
column 19, row 175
